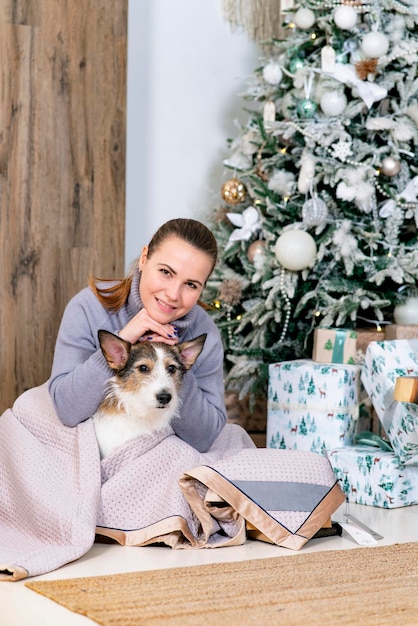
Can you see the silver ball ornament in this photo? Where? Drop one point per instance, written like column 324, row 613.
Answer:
column 314, row 212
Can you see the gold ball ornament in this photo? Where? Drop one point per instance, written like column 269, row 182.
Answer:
column 254, row 249
column 233, row 191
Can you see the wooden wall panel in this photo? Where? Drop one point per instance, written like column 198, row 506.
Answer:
column 62, row 169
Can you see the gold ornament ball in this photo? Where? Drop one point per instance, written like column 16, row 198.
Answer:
column 255, row 248
column 390, row 166
column 233, row 191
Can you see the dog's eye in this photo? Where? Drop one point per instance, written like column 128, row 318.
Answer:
column 143, row 368
column 171, row 369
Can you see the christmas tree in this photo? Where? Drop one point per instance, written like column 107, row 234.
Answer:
column 319, row 221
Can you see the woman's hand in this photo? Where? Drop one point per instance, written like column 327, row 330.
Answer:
column 142, row 327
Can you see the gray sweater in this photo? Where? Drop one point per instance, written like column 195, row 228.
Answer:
column 80, row 371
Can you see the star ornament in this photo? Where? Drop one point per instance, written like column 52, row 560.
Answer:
column 248, row 223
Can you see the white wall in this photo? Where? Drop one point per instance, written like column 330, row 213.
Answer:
column 186, row 69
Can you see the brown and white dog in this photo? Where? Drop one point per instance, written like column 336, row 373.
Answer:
column 142, row 397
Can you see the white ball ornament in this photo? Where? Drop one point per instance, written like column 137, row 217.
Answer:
column 304, row 18
column 375, row 45
column 333, row 102
column 272, row 73
column 345, row 17
column 295, row 250
column 407, row 313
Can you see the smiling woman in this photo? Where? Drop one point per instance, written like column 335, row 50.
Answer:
column 157, row 301
column 169, row 290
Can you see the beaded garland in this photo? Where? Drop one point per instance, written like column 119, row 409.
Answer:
column 287, row 305
column 399, row 202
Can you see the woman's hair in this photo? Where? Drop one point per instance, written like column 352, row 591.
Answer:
column 190, row 231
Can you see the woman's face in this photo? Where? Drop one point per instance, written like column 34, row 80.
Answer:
column 172, row 279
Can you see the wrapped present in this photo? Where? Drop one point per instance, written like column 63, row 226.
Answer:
column 312, row 406
column 385, row 361
column 364, row 337
column 401, row 331
column 334, row 345
column 372, row 476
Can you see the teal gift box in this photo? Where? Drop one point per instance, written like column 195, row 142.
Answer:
column 374, row 477
column 384, row 362
column 334, row 345
column 312, row 406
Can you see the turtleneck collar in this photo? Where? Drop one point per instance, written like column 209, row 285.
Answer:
column 134, row 304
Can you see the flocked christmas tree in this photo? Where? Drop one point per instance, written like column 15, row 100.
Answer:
column 320, row 212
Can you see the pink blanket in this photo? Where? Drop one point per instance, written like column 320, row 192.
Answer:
column 55, row 494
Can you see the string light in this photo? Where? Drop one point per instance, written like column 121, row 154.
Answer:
column 377, row 323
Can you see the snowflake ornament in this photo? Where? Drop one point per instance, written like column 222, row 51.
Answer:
column 341, row 150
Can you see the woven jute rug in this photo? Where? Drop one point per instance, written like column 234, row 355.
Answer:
column 357, row 586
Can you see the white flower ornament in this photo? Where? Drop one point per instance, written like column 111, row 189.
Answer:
column 248, row 223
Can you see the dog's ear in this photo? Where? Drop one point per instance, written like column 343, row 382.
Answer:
column 115, row 349
column 190, row 350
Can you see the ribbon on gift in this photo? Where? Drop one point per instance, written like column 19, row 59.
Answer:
column 367, row 438
column 338, row 349
column 350, row 410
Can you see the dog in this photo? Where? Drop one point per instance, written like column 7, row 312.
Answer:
column 143, row 395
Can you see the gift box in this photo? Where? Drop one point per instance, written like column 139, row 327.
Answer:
column 334, row 345
column 401, row 331
column 385, row 361
column 364, row 337
column 375, row 477
column 312, row 406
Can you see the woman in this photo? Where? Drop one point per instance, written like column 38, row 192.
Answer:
column 157, row 301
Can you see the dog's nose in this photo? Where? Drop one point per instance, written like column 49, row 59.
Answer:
column 164, row 397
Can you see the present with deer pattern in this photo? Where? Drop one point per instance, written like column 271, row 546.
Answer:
column 374, row 477
column 312, row 406
column 385, row 361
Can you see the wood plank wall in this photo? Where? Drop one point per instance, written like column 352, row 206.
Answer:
column 62, row 169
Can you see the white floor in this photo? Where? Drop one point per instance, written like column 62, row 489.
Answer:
column 23, row 607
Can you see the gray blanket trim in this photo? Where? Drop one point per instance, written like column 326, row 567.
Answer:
column 282, row 496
